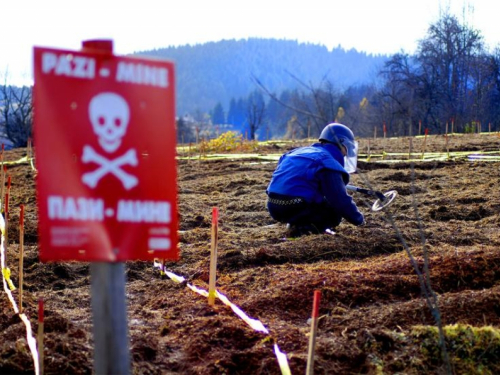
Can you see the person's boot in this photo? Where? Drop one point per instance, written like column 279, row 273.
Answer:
column 294, row 231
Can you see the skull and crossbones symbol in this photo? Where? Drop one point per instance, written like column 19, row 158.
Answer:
column 109, row 114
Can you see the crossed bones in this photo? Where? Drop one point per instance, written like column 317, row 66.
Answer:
column 109, row 166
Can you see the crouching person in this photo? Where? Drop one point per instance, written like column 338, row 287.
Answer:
column 308, row 188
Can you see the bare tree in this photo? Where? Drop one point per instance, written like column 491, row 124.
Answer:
column 314, row 107
column 256, row 110
column 450, row 78
column 16, row 114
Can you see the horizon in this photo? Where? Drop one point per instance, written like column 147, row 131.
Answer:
column 382, row 28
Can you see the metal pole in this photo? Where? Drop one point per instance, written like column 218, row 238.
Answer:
column 111, row 349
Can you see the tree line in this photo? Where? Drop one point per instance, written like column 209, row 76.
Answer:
column 452, row 82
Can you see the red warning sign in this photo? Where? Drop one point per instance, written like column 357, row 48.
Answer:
column 105, row 153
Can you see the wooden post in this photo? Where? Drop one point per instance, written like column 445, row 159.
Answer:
column 213, row 257
column 2, row 183
column 30, row 149
column 312, row 337
column 447, row 146
column 109, row 311
column 40, row 335
column 21, row 258
column 425, row 141
column 410, row 148
column 419, row 127
column 375, row 133
column 6, row 217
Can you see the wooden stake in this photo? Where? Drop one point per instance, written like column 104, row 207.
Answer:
column 21, row 258
column 1, row 156
column 2, row 183
column 447, row 146
column 314, row 329
column 375, row 133
column 419, row 127
column 30, row 149
column 213, row 257
column 410, row 148
column 40, row 335
column 425, row 141
column 6, row 217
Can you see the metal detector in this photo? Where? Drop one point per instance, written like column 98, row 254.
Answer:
column 383, row 199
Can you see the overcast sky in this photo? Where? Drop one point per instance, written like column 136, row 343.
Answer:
column 373, row 26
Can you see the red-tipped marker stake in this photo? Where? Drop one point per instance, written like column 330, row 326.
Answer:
column 6, row 218
column 2, row 183
column 213, row 257
column 40, row 335
column 21, row 258
column 314, row 328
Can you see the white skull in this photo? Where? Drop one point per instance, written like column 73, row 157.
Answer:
column 109, row 114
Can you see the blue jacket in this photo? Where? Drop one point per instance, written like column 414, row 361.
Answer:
column 316, row 173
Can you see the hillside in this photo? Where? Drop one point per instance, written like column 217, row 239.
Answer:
column 218, row 71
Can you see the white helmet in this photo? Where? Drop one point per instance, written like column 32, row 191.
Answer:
column 342, row 136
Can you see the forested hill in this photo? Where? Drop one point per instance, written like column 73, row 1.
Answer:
column 219, row 71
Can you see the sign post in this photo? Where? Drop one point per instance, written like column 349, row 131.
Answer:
column 109, row 311
column 107, row 193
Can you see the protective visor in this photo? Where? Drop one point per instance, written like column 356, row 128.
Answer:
column 351, row 159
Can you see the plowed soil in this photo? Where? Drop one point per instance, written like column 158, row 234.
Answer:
column 371, row 297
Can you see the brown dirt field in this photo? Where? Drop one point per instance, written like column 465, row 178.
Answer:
column 371, row 297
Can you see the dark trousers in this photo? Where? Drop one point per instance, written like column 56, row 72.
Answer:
column 321, row 215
